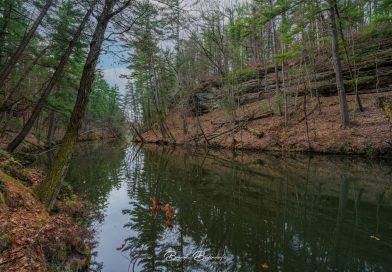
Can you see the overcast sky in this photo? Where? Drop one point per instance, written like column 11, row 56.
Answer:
column 112, row 70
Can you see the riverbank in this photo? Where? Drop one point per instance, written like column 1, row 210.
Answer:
column 33, row 144
column 31, row 239
column 255, row 126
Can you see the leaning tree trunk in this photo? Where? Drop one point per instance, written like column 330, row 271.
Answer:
column 49, row 189
column 11, row 99
column 52, row 128
column 352, row 76
column 6, row 70
column 338, row 68
column 48, row 89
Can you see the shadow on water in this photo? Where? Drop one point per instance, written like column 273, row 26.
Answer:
column 250, row 212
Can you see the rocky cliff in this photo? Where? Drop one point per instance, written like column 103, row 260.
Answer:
column 370, row 70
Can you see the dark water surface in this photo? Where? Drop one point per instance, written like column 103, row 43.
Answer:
column 251, row 212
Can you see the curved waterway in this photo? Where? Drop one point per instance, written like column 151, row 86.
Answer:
column 243, row 212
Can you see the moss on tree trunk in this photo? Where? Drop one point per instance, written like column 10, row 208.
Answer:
column 51, row 186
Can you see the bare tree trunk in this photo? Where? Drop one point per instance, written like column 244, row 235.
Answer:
column 202, row 131
column 377, row 74
column 284, row 93
column 265, row 57
column 6, row 70
column 52, row 128
column 184, row 126
column 49, row 189
column 6, row 18
column 338, row 68
column 306, row 121
column 274, row 49
column 7, row 119
column 352, row 75
column 55, row 77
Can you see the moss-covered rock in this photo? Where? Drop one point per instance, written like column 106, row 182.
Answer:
column 6, row 160
column 15, row 193
column 18, row 173
column 25, row 158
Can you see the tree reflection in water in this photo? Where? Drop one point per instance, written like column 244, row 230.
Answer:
column 293, row 213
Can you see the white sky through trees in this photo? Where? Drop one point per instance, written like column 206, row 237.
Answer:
column 110, row 60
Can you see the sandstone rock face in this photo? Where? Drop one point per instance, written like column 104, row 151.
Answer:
column 371, row 71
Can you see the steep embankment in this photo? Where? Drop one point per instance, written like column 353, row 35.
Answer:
column 31, row 239
column 240, row 111
column 254, row 127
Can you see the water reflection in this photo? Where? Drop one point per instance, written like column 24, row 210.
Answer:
column 258, row 212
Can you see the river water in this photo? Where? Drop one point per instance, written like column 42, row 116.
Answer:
column 243, row 212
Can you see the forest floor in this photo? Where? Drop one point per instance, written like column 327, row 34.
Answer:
column 31, row 239
column 254, row 126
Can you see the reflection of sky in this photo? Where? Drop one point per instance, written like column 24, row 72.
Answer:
column 112, row 233
column 249, row 218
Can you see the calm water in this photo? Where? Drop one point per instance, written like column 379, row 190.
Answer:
column 259, row 212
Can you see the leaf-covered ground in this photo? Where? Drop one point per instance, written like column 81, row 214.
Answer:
column 254, row 127
column 40, row 241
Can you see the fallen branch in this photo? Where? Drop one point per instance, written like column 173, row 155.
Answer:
column 202, row 131
column 246, row 119
column 306, row 115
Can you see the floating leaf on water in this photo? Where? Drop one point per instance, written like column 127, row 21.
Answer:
column 264, row 266
column 169, row 224
column 374, row 237
column 168, row 211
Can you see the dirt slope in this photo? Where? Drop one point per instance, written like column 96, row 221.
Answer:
column 255, row 127
column 31, row 239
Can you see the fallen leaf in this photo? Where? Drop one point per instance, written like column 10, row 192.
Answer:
column 375, row 238
column 264, row 266
column 169, row 211
column 169, row 224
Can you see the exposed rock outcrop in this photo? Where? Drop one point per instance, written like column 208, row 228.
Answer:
column 371, row 71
